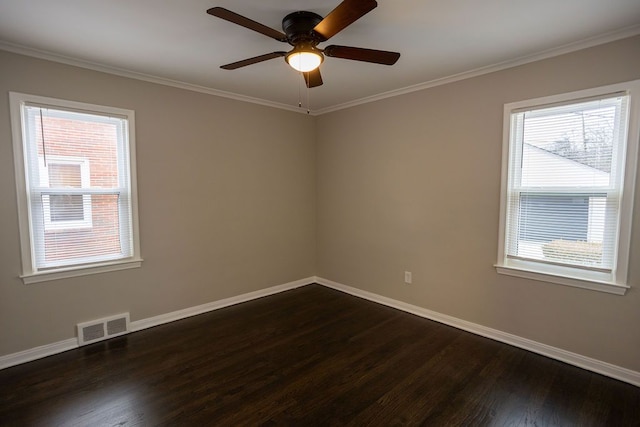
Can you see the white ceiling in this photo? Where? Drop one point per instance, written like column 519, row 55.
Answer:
column 177, row 41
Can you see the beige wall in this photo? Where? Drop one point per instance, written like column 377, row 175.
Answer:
column 413, row 183
column 226, row 200
column 236, row 197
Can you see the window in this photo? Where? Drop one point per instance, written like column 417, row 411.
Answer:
column 567, row 187
column 75, row 173
column 65, row 211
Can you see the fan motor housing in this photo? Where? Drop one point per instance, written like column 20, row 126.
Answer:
column 298, row 26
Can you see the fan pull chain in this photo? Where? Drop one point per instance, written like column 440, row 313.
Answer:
column 300, row 91
column 44, row 149
column 308, row 103
column 304, row 81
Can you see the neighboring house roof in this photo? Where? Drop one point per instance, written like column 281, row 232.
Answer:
column 542, row 168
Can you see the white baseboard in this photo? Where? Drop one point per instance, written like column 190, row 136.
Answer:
column 150, row 322
column 37, row 352
column 604, row 368
column 71, row 343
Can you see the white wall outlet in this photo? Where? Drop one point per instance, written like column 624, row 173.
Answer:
column 407, row 277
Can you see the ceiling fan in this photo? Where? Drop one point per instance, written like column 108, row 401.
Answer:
column 304, row 31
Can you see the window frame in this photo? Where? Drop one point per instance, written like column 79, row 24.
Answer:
column 614, row 282
column 51, row 225
column 31, row 274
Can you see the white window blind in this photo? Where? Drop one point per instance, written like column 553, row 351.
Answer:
column 78, row 184
column 565, row 176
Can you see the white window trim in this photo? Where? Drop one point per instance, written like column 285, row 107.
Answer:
column 29, row 273
column 85, row 174
column 616, row 281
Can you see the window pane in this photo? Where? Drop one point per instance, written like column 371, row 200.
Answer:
column 570, row 145
column 64, row 175
column 66, row 207
column 562, row 228
column 101, row 240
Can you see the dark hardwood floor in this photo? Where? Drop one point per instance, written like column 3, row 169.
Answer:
column 306, row 357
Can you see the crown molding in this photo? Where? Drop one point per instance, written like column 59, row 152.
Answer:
column 546, row 54
column 550, row 53
column 94, row 66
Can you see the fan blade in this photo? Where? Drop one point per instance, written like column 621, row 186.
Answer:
column 361, row 54
column 227, row 15
column 345, row 14
column 313, row 78
column 253, row 60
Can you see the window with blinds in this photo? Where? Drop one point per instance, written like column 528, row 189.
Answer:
column 565, row 207
column 565, row 183
column 79, row 204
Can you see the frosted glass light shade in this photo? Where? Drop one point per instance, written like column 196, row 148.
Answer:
column 304, row 61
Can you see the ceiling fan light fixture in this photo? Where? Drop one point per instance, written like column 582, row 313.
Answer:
column 304, row 30
column 304, row 60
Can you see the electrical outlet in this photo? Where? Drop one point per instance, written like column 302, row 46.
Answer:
column 407, row 277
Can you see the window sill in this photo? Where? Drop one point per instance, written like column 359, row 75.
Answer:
column 45, row 276
column 594, row 285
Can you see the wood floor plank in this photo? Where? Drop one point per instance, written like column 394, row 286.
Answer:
column 306, row 357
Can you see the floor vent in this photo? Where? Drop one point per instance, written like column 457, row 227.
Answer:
column 101, row 329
